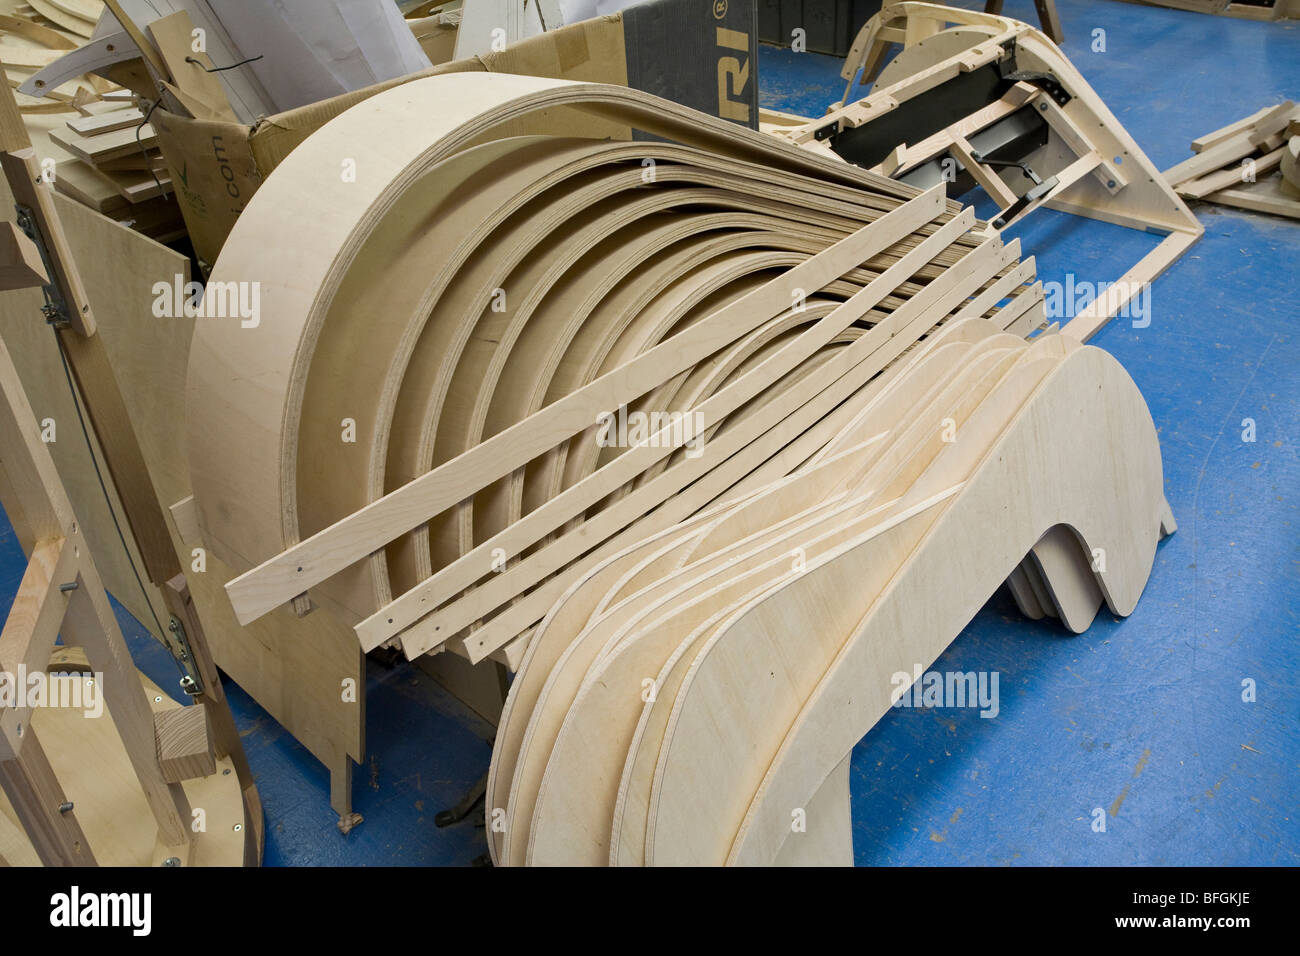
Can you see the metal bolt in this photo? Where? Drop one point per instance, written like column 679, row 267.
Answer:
column 65, row 806
column 226, row 772
column 172, row 861
column 237, row 827
column 70, row 586
column 157, row 700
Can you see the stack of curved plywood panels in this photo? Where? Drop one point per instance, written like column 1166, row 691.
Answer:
column 469, row 299
column 707, row 434
column 693, row 699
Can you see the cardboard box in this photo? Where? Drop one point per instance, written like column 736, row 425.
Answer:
column 703, row 55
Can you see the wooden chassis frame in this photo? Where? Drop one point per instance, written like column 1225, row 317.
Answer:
column 1132, row 194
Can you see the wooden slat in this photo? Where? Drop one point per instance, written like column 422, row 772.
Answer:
column 306, row 564
column 33, row 790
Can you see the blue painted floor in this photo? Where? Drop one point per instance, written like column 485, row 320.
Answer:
column 1142, row 718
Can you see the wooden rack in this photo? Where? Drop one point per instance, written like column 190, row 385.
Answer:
column 60, row 556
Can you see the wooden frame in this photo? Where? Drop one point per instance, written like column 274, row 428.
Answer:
column 90, row 617
column 61, row 594
column 1102, row 173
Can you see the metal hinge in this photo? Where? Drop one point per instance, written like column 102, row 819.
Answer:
column 55, row 308
column 1047, row 82
column 179, row 644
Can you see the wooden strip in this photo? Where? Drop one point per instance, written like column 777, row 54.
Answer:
column 1265, row 196
column 462, row 573
column 308, row 563
column 999, row 290
column 1233, row 148
column 1230, row 177
column 1202, row 143
column 106, row 122
column 1086, row 323
column 106, row 146
column 988, row 178
column 37, row 33
column 32, row 627
column 858, row 358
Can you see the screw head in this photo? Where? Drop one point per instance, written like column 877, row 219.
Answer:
column 172, row 861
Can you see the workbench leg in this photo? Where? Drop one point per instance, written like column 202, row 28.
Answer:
column 1050, row 20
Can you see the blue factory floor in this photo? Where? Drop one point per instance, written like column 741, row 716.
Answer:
column 1143, row 718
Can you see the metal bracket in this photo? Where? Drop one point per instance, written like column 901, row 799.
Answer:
column 179, row 644
column 827, row 131
column 1046, row 82
column 1040, row 188
column 55, row 308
